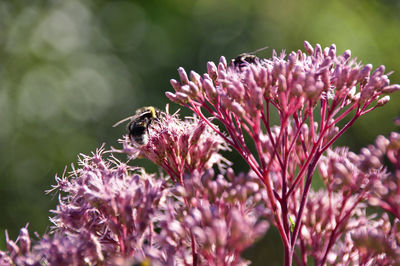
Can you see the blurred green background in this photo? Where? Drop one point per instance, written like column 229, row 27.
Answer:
column 70, row 69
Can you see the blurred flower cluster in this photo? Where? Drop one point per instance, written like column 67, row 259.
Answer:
column 197, row 211
column 112, row 213
column 316, row 95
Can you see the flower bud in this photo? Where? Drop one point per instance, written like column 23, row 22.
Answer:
column 277, row 70
column 384, row 81
column 364, row 73
column 394, row 139
column 375, row 82
column 191, row 90
column 185, row 89
column 263, row 77
column 366, row 93
column 196, row 78
column 282, row 86
column 221, row 67
column 379, row 71
column 332, row 51
column 242, row 195
column 346, row 55
column 300, row 54
column 342, row 172
column 172, row 97
column 326, row 52
column 297, row 89
column 183, row 145
column 182, row 97
column 326, row 63
column 341, row 78
column 292, row 60
column 175, row 84
column 238, row 109
column 24, row 241
column 390, row 89
column 183, row 76
column 381, row 143
column 383, row 101
column 230, row 174
column 223, row 61
column 353, row 76
column 212, row 70
column 236, row 91
column 397, row 121
column 309, row 49
column 197, row 133
column 209, row 88
column 226, row 101
column 194, row 89
column 257, row 98
column 309, row 80
column 222, row 75
column 326, row 79
column 318, row 50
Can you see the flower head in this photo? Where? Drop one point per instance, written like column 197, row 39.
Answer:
column 309, row 93
column 112, row 213
column 327, row 218
column 223, row 216
column 340, row 170
column 386, row 190
column 180, row 146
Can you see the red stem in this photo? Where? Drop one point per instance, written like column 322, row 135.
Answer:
column 267, row 126
column 307, row 186
column 333, row 235
column 349, row 124
column 194, row 249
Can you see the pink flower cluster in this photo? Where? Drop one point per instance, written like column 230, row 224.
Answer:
column 110, row 213
column 309, row 93
column 282, row 115
column 387, row 188
column 180, row 147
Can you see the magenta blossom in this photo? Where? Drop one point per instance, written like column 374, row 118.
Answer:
column 310, row 92
column 197, row 211
column 180, row 146
column 110, row 213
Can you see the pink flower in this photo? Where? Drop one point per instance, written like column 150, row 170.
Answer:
column 309, row 92
column 180, row 146
column 386, row 190
column 112, row 213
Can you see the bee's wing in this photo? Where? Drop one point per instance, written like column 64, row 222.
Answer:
column 124, row 120
column 259, row 50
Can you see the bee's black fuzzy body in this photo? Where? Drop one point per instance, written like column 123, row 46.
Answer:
column 139, row 126
column 244, row 59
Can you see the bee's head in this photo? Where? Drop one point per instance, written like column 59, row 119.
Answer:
column 148, row 112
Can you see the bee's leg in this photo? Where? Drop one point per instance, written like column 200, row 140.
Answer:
column 148, row 122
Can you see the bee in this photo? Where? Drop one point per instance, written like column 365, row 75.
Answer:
column 244, row 59
column 139, row 124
